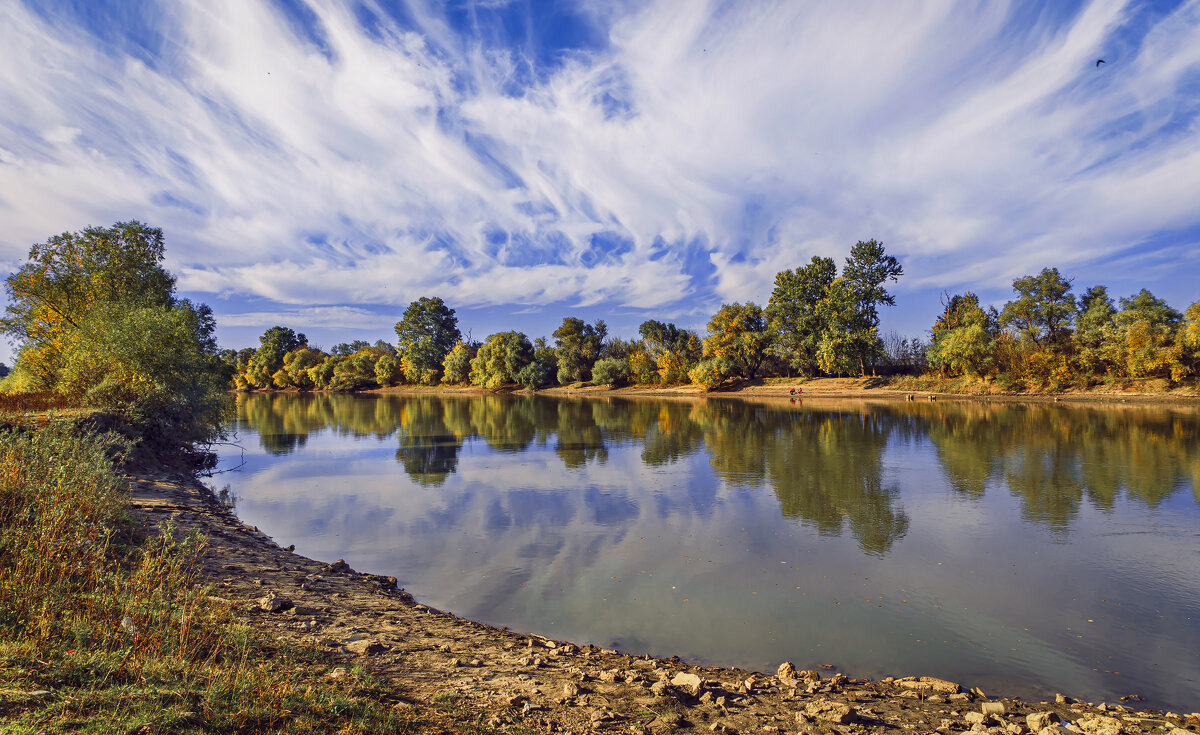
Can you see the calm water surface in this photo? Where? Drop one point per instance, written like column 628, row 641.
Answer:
column 1023, row 548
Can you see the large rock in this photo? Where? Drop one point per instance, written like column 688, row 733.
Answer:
column 1038, row 721
column 689, row 682
column 929, row 683
column 787, row 671
column 273, row 603
column 363, row 646
column 1099, row 725
column 835, row 712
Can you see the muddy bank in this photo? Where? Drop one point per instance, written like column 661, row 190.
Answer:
column 527, row 682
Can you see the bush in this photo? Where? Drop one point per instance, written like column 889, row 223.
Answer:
column 535, row 375
column 610, row 371
column 711, row 373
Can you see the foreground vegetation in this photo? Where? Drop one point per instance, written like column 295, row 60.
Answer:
column 102, row 630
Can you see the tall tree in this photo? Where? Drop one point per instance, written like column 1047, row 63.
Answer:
column 737, row 334
column 1095, row 337
column 1043, row 311
column 500, row 359
column 1147, row 326
column 577, row 347
column 793, row 312
column 97, row 319
column 867, row 270
column 70, row 275
column 268, row 358
column 426, row 334
column 964, row 338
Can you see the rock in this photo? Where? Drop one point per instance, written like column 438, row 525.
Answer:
column 340, row 566
column 303, row 612
column 691, row 682
column 273, row 603
column 724, row 727
column 960, row 697
column 787, row 671
column 570, row 689
column 992, row 708
column 659, row 688
column 808, row 675
column 364, row 646
column 1060, row 699
column 835, row 712
column 338, row 673
column 1037, row 721
column 975, row 718
column 1100, row 725
column 610, row 675
column 929, row 683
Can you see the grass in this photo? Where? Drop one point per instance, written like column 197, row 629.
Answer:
column 103, row 630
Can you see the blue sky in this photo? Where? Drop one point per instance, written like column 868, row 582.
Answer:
column 320, row 163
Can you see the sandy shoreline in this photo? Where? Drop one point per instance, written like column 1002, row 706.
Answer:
column 780, row 388
column 528, row 682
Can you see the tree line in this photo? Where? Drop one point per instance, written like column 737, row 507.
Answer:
column 1047, row 338
column 98, row 322
column 816, row 321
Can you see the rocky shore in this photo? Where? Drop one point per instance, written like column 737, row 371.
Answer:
column 524, row 683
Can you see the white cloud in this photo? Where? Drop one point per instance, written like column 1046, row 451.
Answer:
column 375, row 167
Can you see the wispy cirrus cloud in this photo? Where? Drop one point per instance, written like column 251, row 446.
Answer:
column 662, row 156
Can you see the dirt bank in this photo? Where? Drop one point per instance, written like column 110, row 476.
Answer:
column 883, row 388
column 524, row 683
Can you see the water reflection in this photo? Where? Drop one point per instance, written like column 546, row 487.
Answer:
column 823, row 461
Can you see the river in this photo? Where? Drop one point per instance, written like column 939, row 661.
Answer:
column 1022, row 548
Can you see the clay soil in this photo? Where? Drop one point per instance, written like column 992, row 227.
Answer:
column 511, row 682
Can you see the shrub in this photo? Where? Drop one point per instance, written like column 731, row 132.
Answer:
column 610, row 371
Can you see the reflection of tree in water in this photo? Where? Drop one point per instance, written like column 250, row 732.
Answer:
column 825, row 465
column 428, row 447
column 827, row 470
column 1053, row 457
column 671, row 435
column 578, row 439
column 507, row 424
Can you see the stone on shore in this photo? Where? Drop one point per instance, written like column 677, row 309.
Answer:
column 691, row 682
column 273, row 603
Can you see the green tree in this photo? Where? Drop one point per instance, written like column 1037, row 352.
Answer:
column 500, row 359
column 268, row 358
column 867, row 270
column 457, row 365
column 65, row 278
column 427, row 331
column 964, row 338
column 97, row 319
column 1147, row 327
column 1186, row 359
column 1096, row 333
column 737, row 335
column 1043, row 312
column 577, row 347
column 387, row 370
column 793, row 313
column 610, row 371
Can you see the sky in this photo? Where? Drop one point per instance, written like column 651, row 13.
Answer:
column 320, row 164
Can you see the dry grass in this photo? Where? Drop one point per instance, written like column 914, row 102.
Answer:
column 101, row 631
